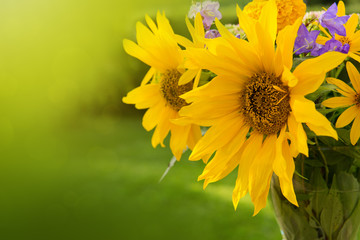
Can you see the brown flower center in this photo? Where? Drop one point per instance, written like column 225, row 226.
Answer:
column 357, row 99
column 345, row 40
column 265, row 103
column 171, row 90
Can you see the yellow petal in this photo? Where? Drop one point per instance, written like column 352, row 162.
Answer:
column 288, row 78
column 337, row 102
column 217, row 136
column 225, row 160
column 266, row 48
column 347, row 116
column 351, row 25
column 197, row 79
column 354, row 56
column 355, row 42
column 308, row 82
column 151, row 116
column 224, row 32
column 163, row 23
column 355, row 130
column 268, row 19
column 190, row 28
column 285, row 42
column 354, row 76
column 299, row 136
column 148, row 76
column 310, row 73
column 261, row 172
column 212, row 108
column 194, row 136
column 163, row 128
column 178, row 139
column 199, row 27
column 323, row 63
column 284, row 168
column 144, row 96
column 248, row 154
column 218, row 86
column 247, row 24
column 342, row 85
column 144, row 36
column 136, row 51
column 322, row 40
column 151, row 23
column 187, row 76
column 183, row 41
column 304, row 111
column 341, row 9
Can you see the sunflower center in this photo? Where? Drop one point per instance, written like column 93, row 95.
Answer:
column 357, row 99
column 171, row 90
column 344, row 40
column 265, row 103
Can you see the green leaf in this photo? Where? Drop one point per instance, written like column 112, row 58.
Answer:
column 321, row 91
column 351, row 225
column 320, row 192
column 331, row 217
column 348, row 187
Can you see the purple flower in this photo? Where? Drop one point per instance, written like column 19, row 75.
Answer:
column 212, row 34
column 332, row 45
column 194, row 9
column 332, row 22
column 305, row 41
column 210, row 11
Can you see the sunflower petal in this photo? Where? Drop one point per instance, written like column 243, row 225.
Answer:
column 178, row 139
column 304, row 111
column 337, row 102
column 341, row 84
column 347, row 117
column 247, row 157
column 354, row 76
column 355, row 130
column 260, row 173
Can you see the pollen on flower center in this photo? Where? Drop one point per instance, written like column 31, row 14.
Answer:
column 171, row 90
column 357, row 99
column 265, row 103
column 344, row 40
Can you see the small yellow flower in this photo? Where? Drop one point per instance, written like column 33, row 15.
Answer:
column 288, row 10
column 160, row 91
column 350, row 99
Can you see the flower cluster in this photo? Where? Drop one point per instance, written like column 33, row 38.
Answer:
column 337, row 32
column 258, row 102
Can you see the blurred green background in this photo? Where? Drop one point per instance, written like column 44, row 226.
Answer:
column 75, row 162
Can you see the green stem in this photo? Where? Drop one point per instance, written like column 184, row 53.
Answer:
column 323, row 158
column 339, row 69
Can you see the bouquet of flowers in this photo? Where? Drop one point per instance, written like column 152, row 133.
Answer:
column 277, row 97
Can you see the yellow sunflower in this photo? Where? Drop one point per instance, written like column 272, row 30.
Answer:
column 288, row 10
column 255, row 106
column 350, row 99
column 159, row 90
column 352, row 36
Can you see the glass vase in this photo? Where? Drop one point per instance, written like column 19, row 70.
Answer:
column 326, row 185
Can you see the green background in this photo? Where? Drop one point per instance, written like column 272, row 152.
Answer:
column 75, row 162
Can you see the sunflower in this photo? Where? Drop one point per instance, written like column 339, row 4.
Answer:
column 288, row 10
column 160, row 89
column 255, row 106
column 352, row 36
column 350, row 99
